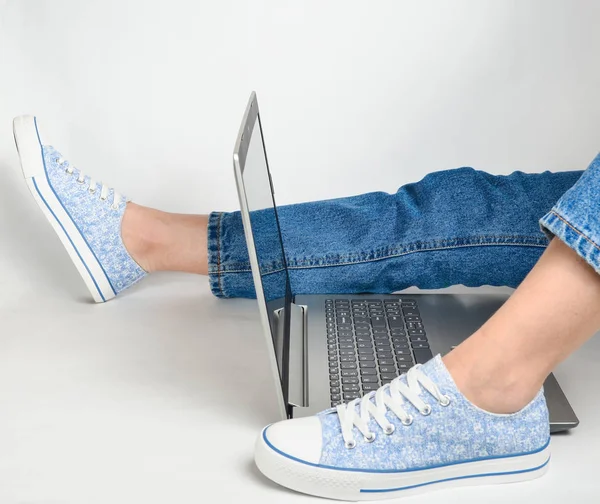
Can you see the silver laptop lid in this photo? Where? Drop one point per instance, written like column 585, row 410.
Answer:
column 265, row 248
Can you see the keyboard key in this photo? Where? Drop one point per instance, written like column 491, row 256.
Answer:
column 401, row 346
column 410, row 312
column 364, row 344
column 349, row 381
column 334, row 390
column 395, row 322
column 386, row 362
column 378, row 322
column 418, row 339
column 422, row 355
column 351, row 396
column 364, row 365
column 368, row 387
column 347, row 351
column 388, row 376
column 405, row 366
column 387, row 369
column 336, row 397
column 412, row 318
column 334, row 383
column 403, row 358
column 363, row 339
column 365, row 351
column 348, row 358
column 416, row 332
column 346, row 346
column 380, row 330
column 420, row 345
column 333, row 358
column 348, row 365
column 369, row 379
column 403, row 351
column 385, row 355
column 368, row 371
column 349, row 372
column 364, row 358
column 333, row 377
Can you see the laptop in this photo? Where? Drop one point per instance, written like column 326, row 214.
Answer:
column 329, row 349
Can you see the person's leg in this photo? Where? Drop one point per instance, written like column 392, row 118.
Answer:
column 162, row 241
column 450, row 228
column 555, row 310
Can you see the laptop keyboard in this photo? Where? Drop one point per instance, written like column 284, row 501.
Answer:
column 370, row 342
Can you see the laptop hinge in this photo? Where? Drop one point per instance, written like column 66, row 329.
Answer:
column 298, row 364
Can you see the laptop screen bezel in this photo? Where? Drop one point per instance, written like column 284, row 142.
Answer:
column 250, row 122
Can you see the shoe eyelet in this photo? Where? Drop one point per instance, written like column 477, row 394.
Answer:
column 103, row 199
column 350, row 444
column 426, row 411
column 389, row 429
column 92, row 191
column 408, row 421
column 445, row 401
column 114, row 207
column 370, row 437
column 80, row 181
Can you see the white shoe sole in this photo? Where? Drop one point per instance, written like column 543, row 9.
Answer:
column 355, row 485
column 29, row 147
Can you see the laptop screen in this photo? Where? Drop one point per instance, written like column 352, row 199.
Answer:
column 268, row 244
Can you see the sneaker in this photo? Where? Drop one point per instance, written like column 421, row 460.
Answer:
column 416, row 434
column 85, row 214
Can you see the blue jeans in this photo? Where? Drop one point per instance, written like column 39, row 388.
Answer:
column 459, row 226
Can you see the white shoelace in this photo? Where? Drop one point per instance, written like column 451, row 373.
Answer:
column 93, row 185
column 389, row 397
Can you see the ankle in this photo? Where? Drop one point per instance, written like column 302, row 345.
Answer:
column 160, row 241
column 143, row 236
column 490, row 382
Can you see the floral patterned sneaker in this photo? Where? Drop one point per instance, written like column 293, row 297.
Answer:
column 416, row 434
column 85, row 214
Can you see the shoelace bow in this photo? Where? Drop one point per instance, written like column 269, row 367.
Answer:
column 93, row 185
column 389, row 397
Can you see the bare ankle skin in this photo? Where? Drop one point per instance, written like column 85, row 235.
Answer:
column 161, row 241
column 554, row 311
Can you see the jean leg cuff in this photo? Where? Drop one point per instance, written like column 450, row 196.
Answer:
column 214, row 254
column 554, row 224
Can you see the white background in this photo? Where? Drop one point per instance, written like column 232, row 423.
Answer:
column 148, row 95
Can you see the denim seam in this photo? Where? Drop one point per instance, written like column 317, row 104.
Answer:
column 536, row 242
column 575, row 229
column 219, row 282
